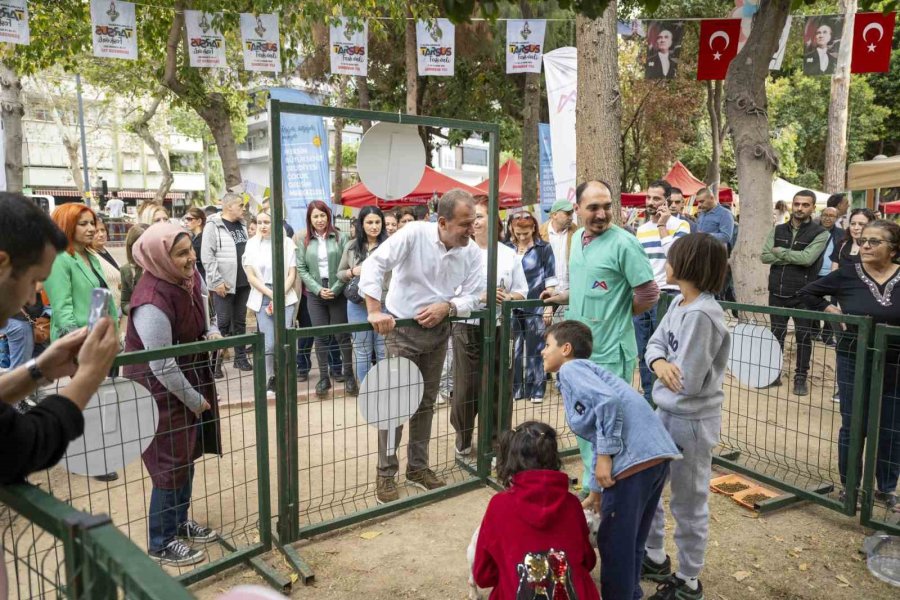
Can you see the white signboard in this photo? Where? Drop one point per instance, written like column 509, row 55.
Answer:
column 14, row 22
column 349, row 48
column 524, row 45
column 261, row 43
column 206, row 44
column 561, row 73
column 113, row 29
column 436, row 42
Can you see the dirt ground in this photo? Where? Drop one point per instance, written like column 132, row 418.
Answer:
column 803, row 552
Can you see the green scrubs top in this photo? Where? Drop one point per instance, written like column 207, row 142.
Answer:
column 601, row 279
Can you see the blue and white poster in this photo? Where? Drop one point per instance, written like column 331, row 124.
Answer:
column 545, row 168
column 305, row 174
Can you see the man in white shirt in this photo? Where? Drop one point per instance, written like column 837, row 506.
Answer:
column 115, row 207
column 557, row 231
column 435, row 273
column 656, row 237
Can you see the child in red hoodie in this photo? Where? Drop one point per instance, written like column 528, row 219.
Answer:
column 533, row 541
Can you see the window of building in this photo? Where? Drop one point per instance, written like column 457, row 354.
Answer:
column 477, row 157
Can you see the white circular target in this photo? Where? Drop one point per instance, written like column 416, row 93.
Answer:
column 119, row 423
column 755, row 358
column 390, row 394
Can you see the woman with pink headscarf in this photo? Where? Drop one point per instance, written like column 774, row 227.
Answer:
column 168, row 307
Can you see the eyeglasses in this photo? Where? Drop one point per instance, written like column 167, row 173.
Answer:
column 189, row 218
column 874, row 242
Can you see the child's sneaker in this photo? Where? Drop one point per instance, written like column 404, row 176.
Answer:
column 194, row 532
column 653, row 571
column 178, row 554
column 675, row 588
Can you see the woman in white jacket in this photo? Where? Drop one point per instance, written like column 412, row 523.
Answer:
column 257, row 261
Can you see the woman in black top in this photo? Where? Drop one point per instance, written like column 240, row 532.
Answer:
column 869, row 288
column 847, row 250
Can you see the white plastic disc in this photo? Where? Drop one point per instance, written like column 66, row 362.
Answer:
column 390, row 394
column 755, row 358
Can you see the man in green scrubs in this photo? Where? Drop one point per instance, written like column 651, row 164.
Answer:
column 610, row 280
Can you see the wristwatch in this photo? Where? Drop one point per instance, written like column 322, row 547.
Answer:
column 452, row 312
column 34, row 371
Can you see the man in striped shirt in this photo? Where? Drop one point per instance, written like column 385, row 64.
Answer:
column 656, row 236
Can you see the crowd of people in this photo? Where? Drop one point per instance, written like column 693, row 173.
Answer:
column 600, row 284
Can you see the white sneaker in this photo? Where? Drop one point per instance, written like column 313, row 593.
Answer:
column 836, row 398
column 441, row 399
column 536, row 400
column 465, row 451
column 270, row 394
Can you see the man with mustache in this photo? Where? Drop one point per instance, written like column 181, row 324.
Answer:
column 610, row 280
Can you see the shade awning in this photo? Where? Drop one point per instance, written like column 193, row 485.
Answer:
column 509, row 176
column 874, row 174
column 681, row 177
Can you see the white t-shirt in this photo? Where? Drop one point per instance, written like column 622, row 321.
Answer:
column 560, row 242
column 116, row 208
column 322, row 248
column 510, row 274
column 258, row 254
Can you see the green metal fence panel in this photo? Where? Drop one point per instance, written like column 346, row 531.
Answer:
column 231, row 488
column 53, row 550
column 882, row 426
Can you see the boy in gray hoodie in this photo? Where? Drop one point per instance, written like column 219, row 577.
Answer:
column 689, row 353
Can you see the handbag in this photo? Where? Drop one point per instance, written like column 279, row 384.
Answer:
column 351, row 291
column 40, row 327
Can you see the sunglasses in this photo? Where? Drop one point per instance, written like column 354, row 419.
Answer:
column 522, row 217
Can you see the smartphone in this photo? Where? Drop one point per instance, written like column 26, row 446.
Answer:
column 100, row 299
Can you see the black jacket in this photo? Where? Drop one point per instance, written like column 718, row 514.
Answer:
column 787, row 280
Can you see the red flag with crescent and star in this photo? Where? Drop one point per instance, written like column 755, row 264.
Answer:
column 872, row 36
column 718, row 46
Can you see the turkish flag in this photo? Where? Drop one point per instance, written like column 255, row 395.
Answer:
column 718, row 46
column 872, row 36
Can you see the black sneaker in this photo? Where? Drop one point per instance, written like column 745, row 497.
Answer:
column 192, row 531
column 219, row 373
column 801, row 388
column 107, row 477
column 270, row 389
column 322, row 387
column 674, row 588
column 178, row 554
column 351, row 388
column 302, row 375
column 242, row 364
column 652, row 571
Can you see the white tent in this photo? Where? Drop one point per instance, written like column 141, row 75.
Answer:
column 785, row 190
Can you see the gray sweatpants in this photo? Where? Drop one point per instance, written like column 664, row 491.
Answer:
column 689, row 479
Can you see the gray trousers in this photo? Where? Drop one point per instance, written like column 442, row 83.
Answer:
column 689, row 479
column 426, row 348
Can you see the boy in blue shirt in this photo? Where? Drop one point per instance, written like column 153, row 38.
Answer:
column 631, row 451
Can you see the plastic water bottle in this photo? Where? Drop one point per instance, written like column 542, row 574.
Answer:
column 4, row 352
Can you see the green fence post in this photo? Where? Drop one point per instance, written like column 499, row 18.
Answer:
column 871, row 427
column 861, row 383
column 504, row 419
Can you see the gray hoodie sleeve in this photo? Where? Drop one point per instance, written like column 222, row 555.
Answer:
column 208, row 255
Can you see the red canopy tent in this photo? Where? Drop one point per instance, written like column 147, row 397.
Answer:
column 510, row 177
column 679, row 176
column 891, row 208
column 357, row 196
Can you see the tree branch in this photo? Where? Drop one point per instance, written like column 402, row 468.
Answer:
column 141, row 127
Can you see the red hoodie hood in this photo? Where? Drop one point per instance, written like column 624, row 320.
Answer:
column 539, row 496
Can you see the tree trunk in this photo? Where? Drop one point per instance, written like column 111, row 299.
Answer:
column 531, row 114
column 141, row 127
column 70, row 142
column 12, row 112
column 714, row 108
column 838, row 108
column 412, row 69
column 71, row 147
column 598, row 107
column 746, row 108
column 339, row 143
column 362, row 90
column 212, row 108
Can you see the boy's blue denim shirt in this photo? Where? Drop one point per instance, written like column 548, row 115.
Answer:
column 616, row 419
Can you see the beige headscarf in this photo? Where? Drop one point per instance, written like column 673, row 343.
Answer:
column 152, row 253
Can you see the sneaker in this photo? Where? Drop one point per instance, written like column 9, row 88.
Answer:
column 192, row 531
column 465, row 451
column 801, row 388
column 652, row 571
column 386, row 490
column 270, row 389
column 178, row 554
column 889, row 499
column 441, row 399
column 674, row 588
column 219, row 373
column 351, row 388
column 107, row 478
column 536, row 400
column 242, row 364
column 425, row 479
column 322, row 387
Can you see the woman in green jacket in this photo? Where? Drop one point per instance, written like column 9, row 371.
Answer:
column 76, row 272
column 317, row 263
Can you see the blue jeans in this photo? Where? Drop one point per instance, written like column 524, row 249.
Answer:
column 21, row 342
column 168, row 510
column 627, row 512
column 305, row 344
column 266, row 324
column 528, row 366
column 364, row 342
column 644, row 324
column 887, row 467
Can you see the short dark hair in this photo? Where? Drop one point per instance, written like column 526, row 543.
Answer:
column 448, row 202
column 583, row 186
column 575, row 333
column 25, row 230
column 675, row 190
column 662, row 183
column 530, row 446
column 700, row 259
column 420, row 211
column 834, row 200
column 807, row 194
